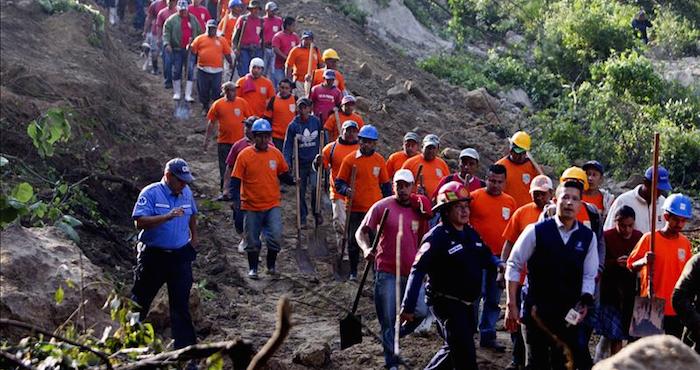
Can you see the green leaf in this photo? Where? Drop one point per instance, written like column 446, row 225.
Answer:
column 38, row 209
column 62, row 189
column 58, row 296
column 68, row 230
column 72, row 221
column 23, row 192
column 215, row 361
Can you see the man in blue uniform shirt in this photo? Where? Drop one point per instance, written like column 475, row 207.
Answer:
column 453, row 257
column 166, row 214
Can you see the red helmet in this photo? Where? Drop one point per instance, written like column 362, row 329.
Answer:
column 451, row 192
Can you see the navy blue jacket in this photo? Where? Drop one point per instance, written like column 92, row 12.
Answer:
column 309, row 139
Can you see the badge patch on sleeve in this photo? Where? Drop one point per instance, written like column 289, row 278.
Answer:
column 375, row 171
column 455, row 249
column 273, row 164
column 526, row 178
column 142, row 201
column 505, row 212
column 681, row 255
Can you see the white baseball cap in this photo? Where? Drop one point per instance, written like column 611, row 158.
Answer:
column 469, row 152
column 541, row 183
column 404, row 175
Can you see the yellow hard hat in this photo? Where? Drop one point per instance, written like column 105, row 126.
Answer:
column 330, row 54
column 577, row 174
column 521, row 139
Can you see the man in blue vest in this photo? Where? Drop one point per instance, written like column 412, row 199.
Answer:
column 562, row 262
column 166, row 214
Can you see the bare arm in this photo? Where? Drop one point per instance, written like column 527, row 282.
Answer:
column 149, row 222
column 227, row 179
column 362, row 236
column 210, row 127
column 193, row 231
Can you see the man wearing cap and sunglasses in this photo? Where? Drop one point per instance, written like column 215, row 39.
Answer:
column 326, row 97
column 639, row 199
column 247, row 34
column 346, row 113
column 166, row 215
column 397, row 159
column 468, row 166
column 520, row 168
column 453, row 257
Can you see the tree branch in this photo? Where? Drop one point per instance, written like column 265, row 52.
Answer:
column 238, row 350
column 284, row 314
column 16, row 361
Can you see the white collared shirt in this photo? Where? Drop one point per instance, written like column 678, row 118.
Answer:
column 641, row 208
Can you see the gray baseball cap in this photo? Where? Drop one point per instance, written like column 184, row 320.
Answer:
column 411, row 136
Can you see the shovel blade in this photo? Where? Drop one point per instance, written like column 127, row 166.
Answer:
column 350, row 331
column 303, row 261
column 647, row 317
column 182, row 110
column 317, row 243
column 341, row 269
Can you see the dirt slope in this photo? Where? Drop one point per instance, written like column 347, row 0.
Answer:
column 124, row 129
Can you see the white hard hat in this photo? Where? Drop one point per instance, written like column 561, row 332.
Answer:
column 256, row 62
column 404, row 175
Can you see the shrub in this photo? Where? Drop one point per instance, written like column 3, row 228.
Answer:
column 629, row 72
column 462, row 70
column 675, row 35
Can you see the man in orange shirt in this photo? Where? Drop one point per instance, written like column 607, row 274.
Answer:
column 520, row 168
column 297, row 62
column 333, row 155
column 372, row 183
column 256, row 190
column 330, row 59
column 434, row 168
column 229, row 112
column 210, row 51
column 541, row 188
column 281, row 110
column 671, row 252
column 491, row 210
column 596, row 195
column 255, row 88
column 397, row 159
column 346, row 113
column 228, row 23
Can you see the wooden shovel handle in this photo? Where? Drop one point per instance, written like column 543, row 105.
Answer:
column 296, row 180
column 307, row 85
column 654, row 194
column 380, row 229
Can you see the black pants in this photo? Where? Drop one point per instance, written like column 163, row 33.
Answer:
column 456, row 326
column 544, row 354
column 222, row 150
column 208, row 87
column 353, row 247
column 155, row 267
column 673, row 326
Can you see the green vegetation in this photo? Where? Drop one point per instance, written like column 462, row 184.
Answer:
column 61, row 6
column 350, row 10
column 595, row 93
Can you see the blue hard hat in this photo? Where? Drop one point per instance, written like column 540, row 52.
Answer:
column 679, row 205
column 369, row 132
column 233, row 3
column 261, row 126
column 663, row 183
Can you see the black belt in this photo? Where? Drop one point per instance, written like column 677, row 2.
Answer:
column 435, row 294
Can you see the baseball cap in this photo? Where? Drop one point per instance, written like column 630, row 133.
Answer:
column 179, row 168
column 350, row 123
column 211, row 23
column 182, row 5
column 329, row 74
column 254, row 4
column 404, row 175
column 248, row 122
column 431, row 139
column 271, row 6
column 348, row 99
column 307, row 34
column 541, row 183
column 663, row 183
column 595, row 165
column 304, row 101
column 469, row 152
column 411, row 136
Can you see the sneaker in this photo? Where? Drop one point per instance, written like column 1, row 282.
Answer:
column 253, row 274
column 495, row 346
column 241, row 245
column 168, row 85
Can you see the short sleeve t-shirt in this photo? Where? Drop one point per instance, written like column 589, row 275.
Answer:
column 281, row 112
column 433, row 171
column 333, row 155
column 523, row 216
column 153, row 11
column 285, row 42
column 202, row 15
column 163, row 15
column 210, row 50
column 156, row 200
column 371, row 173
column 271, row 25
column 385, row 257
column 298, row 60
column 251, row 33
column 324, row 100
column 226, row 26
column 259, row 94
column 230, row 115
column 332, row 127
column 596, row 200
column 395, row 161
column 258, row 171
column 518, row 177
column 670, row 258
column 489, row 215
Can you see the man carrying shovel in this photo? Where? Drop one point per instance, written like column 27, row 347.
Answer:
column 416, row 213
column 671, row 252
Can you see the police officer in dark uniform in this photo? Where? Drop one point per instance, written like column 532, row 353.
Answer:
column 166, row 214
column 453, row 257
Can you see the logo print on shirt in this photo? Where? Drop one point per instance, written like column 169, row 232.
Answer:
column 273, row 164
column 142, row 201
column 414, row 226
column 438, row 172
column 455, row 249
column 375, row 171
column 275, row 28
column 579, row 246
column 505, row 212
column 526, row 178
column 308, row 138
column 292, row 108
column 681, row 255
column 237, row 112
column 257, row 30
column 263, row 90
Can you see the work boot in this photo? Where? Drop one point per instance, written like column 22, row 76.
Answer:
column 253, row 264
column 113, row 18
column 176, row 89
column 319, row 219
column 188, row 92
column 154, row 63
column 271, row 259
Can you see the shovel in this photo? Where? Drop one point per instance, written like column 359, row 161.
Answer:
column 317, row 242
column 351, row 325
column 307, row 84
column 648, row 313
column 182, row 108
column 300, row 254
column 341, row 269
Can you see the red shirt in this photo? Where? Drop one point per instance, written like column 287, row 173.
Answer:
column 186, row 31
column 271, row 25
column 153, row 11
column 251, row 33
column 324, row 100
column 202, row 15
column 285, row 42
column 163, row 16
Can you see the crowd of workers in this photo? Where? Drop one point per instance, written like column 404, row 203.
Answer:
column 455, row 242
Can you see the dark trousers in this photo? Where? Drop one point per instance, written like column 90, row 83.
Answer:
column 279, row 143
column 222, row 150
column 673, row 326
column 456, row 326
column 155, row 267
column 353, row 247
column 517, row 338
column 208, row 87
column 544, row 354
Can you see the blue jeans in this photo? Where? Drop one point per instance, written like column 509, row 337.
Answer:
column 247, row 54
column 140, row 16
column 307, row 177
column 179, row 57
column 167, row 67
column 269, row 59
column 269, row 224
column 385, row 304
column 491, row 294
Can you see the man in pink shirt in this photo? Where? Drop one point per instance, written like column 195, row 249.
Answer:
column 271, row 25
column 162, row 16
column 150, row 31
column 200, row 12
column 248, row 29
column 326, row 96
column 415, row 212
column 282, row 42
